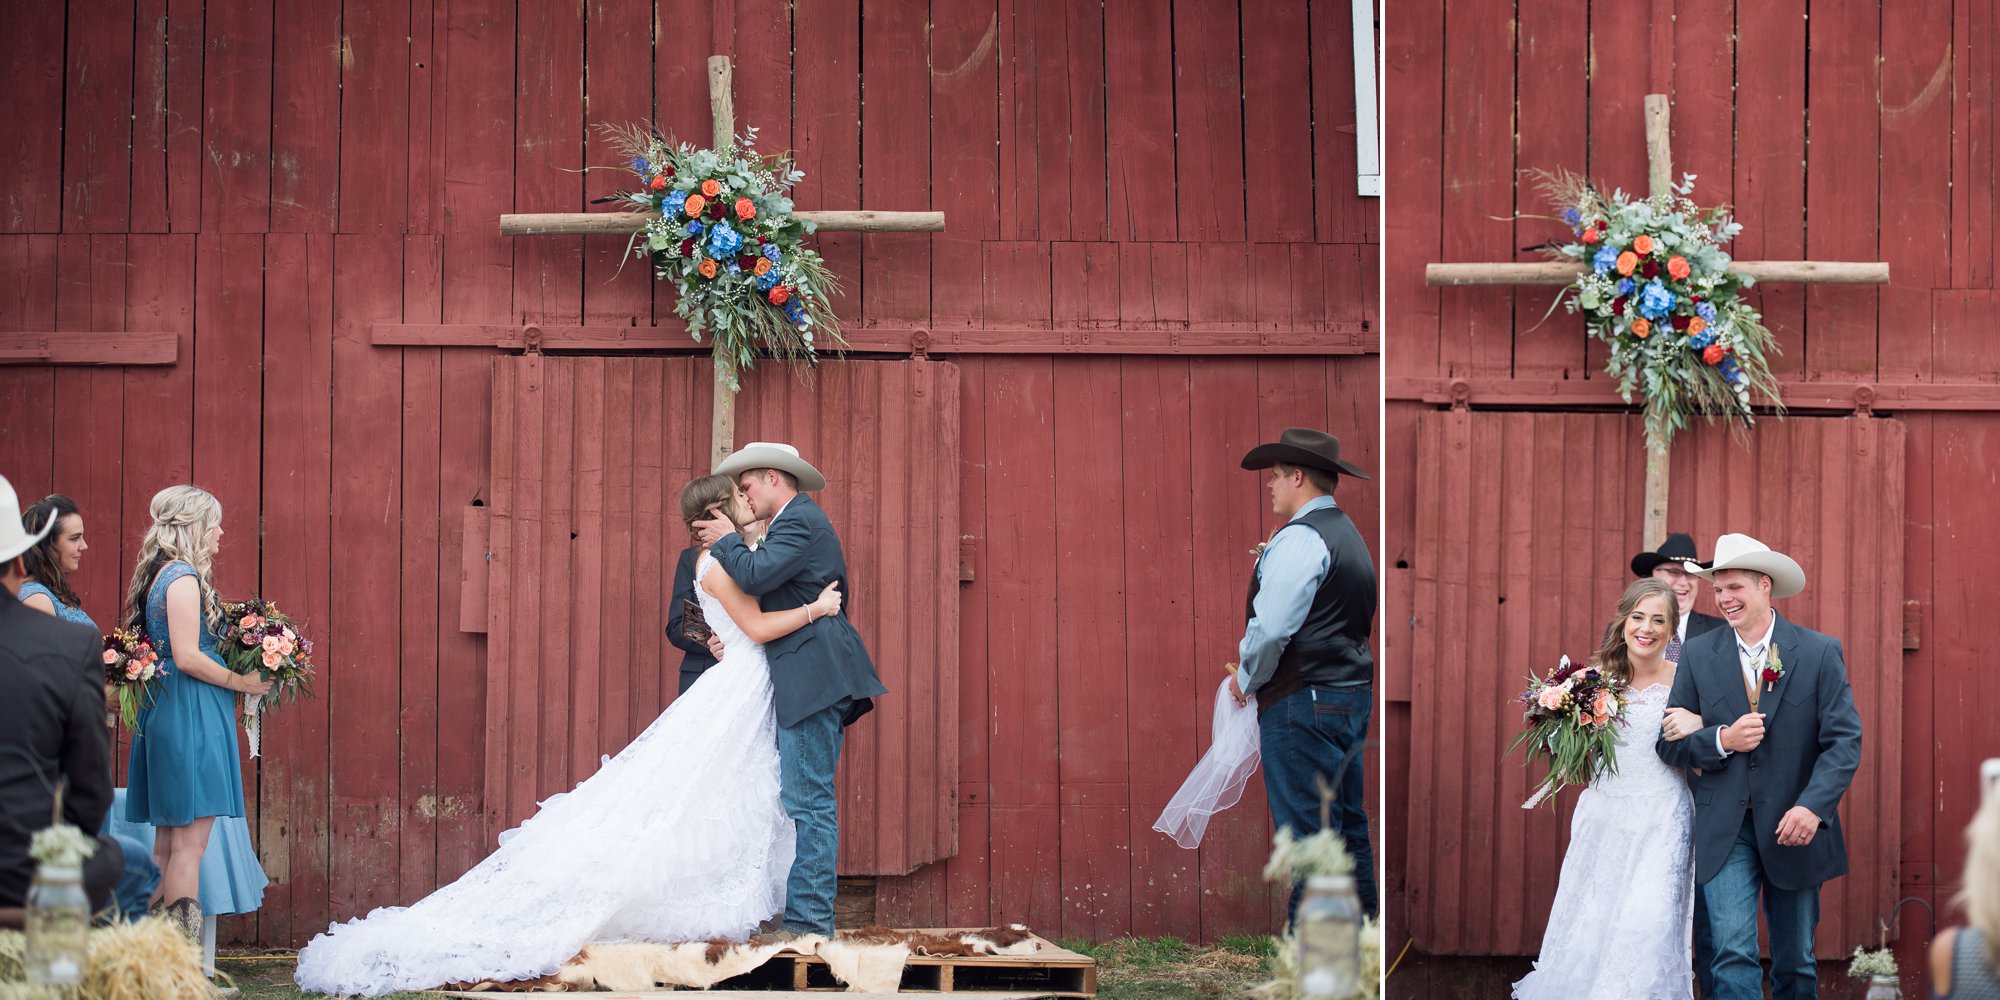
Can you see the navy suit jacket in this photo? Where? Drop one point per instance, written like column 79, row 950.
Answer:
column 698, row 659
column 824, row 663
column 1811, row 748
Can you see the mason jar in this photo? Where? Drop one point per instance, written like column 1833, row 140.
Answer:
column 1883, row 988
column 1328, row 927
column 58, row 931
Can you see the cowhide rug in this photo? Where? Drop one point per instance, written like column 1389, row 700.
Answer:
column 868, row 960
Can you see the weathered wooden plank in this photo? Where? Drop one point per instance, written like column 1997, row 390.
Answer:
column 1277, row 127
column 1478, row 183
column 1837, row 396
column 375, row 114
column 1413, row 139
column 627, row 223
column 1812, row 272
column 1139, row 80
column 1093, row 574
column 32, row 74
column 1165, row 330
column 96, row 116
column 1171, row 691
column 228, row 387
column 895, row 142
column 44, row 347
column 1553, row 100
column 1771, row 144
column 1228, row 504
column 584, row 600
column 419, row 725
column 617, row 90
column 236, row 127
column 297, row 572
column 1842, row 175
column 1208, row 110
column 363, row 820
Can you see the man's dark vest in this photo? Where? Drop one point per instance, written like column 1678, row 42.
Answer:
column 1331, row 647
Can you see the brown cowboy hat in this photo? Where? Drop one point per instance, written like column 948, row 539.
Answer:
column 1306, row 447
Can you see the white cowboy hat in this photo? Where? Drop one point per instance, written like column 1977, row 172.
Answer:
column 770, row 455
column 1743, row 552
column 15, row 539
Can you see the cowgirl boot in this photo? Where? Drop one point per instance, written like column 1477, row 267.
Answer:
column 185, row 912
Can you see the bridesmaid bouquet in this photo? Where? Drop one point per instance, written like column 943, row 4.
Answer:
column 1569, row 718
column 130, row 665
column 263, row 639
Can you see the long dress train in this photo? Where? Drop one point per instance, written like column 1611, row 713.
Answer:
column 679, row 837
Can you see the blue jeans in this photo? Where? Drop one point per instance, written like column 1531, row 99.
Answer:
column 808, row 754
column 1732, row 916
column 1704, row 948
column 137, row 880
column 1313, row 733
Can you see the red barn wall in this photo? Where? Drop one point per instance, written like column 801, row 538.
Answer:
column 268, row 180
column 1899, row 169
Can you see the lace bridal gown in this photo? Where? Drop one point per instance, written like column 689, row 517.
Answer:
column 1622, row 924
column 679, row 837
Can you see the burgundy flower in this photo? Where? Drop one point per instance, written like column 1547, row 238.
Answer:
column 1651, row 269
column 746, row 262
column 1680, row 322
column 715, row 210
column 687, row 248
column 1618, row 305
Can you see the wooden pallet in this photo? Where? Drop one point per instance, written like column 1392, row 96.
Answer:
column 1049, row 972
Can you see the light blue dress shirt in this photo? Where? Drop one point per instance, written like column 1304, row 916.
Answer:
column 1293, row 566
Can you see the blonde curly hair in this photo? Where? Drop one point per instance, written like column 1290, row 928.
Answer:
column 1981, row 895
column 183, row 517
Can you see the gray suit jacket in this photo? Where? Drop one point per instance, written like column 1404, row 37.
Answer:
column 1811, row 748
column 824, row 663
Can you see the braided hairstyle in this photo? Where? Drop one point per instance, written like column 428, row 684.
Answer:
column 183, row 516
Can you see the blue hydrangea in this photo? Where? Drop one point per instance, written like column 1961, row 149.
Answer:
column 1706, row 310
column 1605, row 260
column 723, row 240
column 771, row 252
column 639, row 165
column 768, row 280
column 1625, row 286
column 675, row 202
column 1655, row 301
column 1573, row 217
column 1701, row 340
column 694, row 227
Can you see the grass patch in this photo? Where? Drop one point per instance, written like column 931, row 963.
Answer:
column 270, row 978
column 1168, row 968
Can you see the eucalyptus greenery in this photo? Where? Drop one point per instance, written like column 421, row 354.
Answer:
column 781, row 309
column 1658, row 289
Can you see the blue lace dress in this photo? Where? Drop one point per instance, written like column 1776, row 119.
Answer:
column 63, row 611
column 184, row 762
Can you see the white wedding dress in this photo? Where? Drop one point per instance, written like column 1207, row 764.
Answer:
column 680, row 837
column 1623, row 921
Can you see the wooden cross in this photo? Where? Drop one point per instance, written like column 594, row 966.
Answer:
column 624, row 223
column 1659, row 160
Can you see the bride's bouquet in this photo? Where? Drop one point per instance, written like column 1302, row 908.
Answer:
column 1569, row 718
column 263, row 639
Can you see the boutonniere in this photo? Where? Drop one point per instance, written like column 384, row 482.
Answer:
column 1257, row 551
column 1774, row 668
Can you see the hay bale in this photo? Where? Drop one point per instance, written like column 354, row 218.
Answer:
column 128, row 961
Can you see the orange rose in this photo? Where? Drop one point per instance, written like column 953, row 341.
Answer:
column 711, row 187
column 695, row 204
column 745, row 208
column 779, row 295
column 1696, row 325
column 1642, row 328
column 1643, row 244
column 1713, row 355
column 1626, row 262
column 709, row 267
column 763, row 264
column 1590, row 235
column 1678, row 267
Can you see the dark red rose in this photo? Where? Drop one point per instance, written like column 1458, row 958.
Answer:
column 1680, row 322
column 687, row 248
column 1651, row 269
column 715, row 210
column 1618, row 304
column 669, row 170
column 746, row 262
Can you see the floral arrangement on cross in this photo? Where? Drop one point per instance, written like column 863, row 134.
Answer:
column 727, row 239
column 1658, row 290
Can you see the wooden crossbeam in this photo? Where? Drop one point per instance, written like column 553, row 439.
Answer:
column 1562, row 272
column 62, row 347
column 626, row 223
column 1350, row 338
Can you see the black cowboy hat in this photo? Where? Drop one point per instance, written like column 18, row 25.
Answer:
column 1301, row 446
column 1678, row 548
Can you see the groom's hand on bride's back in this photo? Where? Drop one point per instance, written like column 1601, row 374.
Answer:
column 1745, row 734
